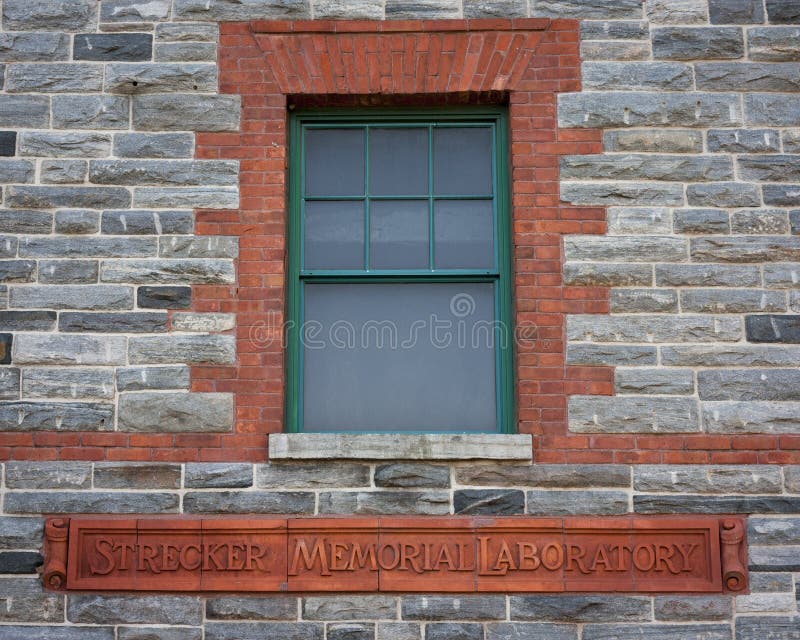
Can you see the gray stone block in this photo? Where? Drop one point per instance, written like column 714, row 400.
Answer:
column 134, row 10
column 186, row 197
column 707, row 479
column 20, row 562
column 560, row 476
column 113, row 47
column 312, row 475
column 21, row 221
column 294, row 502
column 147, row 378
column 657, row 632
column 46, row 197
column 639, row 220
column 163, row 297
column 731, row 300
column 701, row 221
column 164, row 172
column 199, row 246
column 56, row 77
column 213, row 349
column 488, row 502
column 130, row 322
column 735, row 11
column 24, row 111
column 632, row 76
column 46, row 15
column 654, row 140
column 760, row 222
column 644, row 301
column 770, row 168
column 614, row 30
column 77, row 144
column 139, row 609
column 63, row 171
column 635, row 166
column 761, row 627
column 685, row 503
column 34, row 502
column 17, row 271
column 385, row 502
column 9, row 383
column 752, row 384
column 748, row 76
column 751, row 417
column 187, row 31
column 773, row 531
column 398, row 631
column 573, row 502
column 782, row 11
column 692, row 608
column 745, row 249
column 350, row 607
column 781, row 195
column 177, row 112
column 615, row 50
column 223, row 10
column 676, row 11
column 633, row 414
column 429, row 608
column 775, row 44
column 203, row 322
column 743, row 140
column 709, row 275
column 250, row 608
column 136, row 475
column 28, row 320
column 153, row 145
column 792, row 478
column 168, row 271
column 60, row 632
column 411, row 475
column 261, row 630
column 71, row 297
column 653, row 328
column 772, row 110
column 580, row 608
column 20, row 533
column 773, row 328
column 622, row 9
column 159, row 633
column 660, row 381
column 530, row 631
column 453, row 631
column 48, row 475
column 770, row 582
column 611, row 354
column 482, row 8
column 350, row 631
column 58, row 382
column 642, row 109
column 144, row 222
column 77, row 222
column 697, row 43
column 188, row 51
column 156, row 412
column 774, row 558
column 8, row 247
column 165, row 77
column 218, row 475
column 625, row 248
column 55, row 349
column 421, row 9
column 22, row 46
column 91, row 112
column 67, row 271
column 621, row 193
column 607, row 274
column 16, row 171
column 723, row 194
column 56, row 416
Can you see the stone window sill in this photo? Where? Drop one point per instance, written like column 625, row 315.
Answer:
column 339, row 446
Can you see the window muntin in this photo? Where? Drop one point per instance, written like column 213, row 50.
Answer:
column 397, row 218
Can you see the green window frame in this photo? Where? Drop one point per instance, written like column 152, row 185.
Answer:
column 495, row 118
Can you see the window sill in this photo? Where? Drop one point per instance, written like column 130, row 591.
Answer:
column 343, row 446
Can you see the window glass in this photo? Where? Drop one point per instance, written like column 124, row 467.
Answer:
column 398, row 161
column 398, row 234
column 462, row 161
column 464, row 234
column 334, row 162
column 334, row 234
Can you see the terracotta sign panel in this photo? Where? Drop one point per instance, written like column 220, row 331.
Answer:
column 396, row 554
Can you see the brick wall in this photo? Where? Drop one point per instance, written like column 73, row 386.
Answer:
column 141, row 243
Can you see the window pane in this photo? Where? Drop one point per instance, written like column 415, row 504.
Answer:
column 334, row 235
column 462, row 161
column 334, row 162
column 464, row 234
column 379, row 362
column 398, row 234
column 398, row 162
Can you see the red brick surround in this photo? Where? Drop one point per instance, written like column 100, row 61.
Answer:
column 524, row 63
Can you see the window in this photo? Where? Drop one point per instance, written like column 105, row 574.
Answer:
column 399, row 293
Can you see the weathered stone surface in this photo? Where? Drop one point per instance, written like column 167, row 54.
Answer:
column 595, row 9
column 701, row 221
column 16, row 170
column 77, row 222
column 144, row 222
column 44, row 15
column 136, row 475
column 64, row 144
column 752, row 384
column 639, row 220
column 67, row 271
column 751, row 417
column 212, row 349
column 158, row 172
column 21, row 221
column 626, row 248
column 607, row 275
column 63, row 171
column 453, row 631
column 137, row 609
column 155, row 412
column 743, row 140
column 249, row 608
column 203, row 322
column 409, row 474
column 56, row 416
column 160, row 78
column 692, row 608
column 774, row 558
column 49, row 475
column 177, row 112
column 8, row 247
column 682, row 275
column 622, row 193
column 348, row 607
column 113, row 47
column 45, row 197
column 632, row 76
column 163, row 297
column 625, row 50
column 261, row 630
column 697, row 43
column 187, row 31
column 611, row 354
column 35, row 632
column 398, row 631
column 760, row 222
column 35, row 502
column 781, row 195
column 24, row 111
column 91, row 112
column 144, row 322
column 640, row 109
column 428, row 9
column 484, row 607
column 168, row 271
column 9, row 383
column 653, row 381
column 71, row 297
column 792, row 478
column 580, row 608
column 159, row 633
column 633, row 414
column 146, row 378
column 632, row 166
column 773, row 328
column 530, row 631
column 57, row 382
column 12, row 562
column 643, row 301
column 655, row 328
column 756, row 627
column 772, row 110
column 17, row 533
column 551, row 475
column 153, row 145
column 198, row 246
column 134, row 10
column 685, row 503
column 773, row 530
column 782, row 11
column 55, row 349
column 219, row 10
column 8, row 143
column 572, row 502
column 731, row 300
column 723, row 194
column 656, row 632
column 770, row 582
column 30, row 46
column 676, row 11
column 56, row 77
column 735, row 11
column 218, row 475
column 747, row 76
column 770, row 168
column 766, row 603
column 489, row 502
column 188, row 51
column 186, row 197
column 312, row 475
column 654, row 140
column 28, row 320
column 745, row 249
column 249, row 502
column 614, row 30
column 707, row 479
column 385, row 502
column 350, row 631
column 775, row 44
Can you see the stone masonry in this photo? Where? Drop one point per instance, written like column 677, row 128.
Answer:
column 121, row 316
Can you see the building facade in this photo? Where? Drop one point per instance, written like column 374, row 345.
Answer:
column 223, row 220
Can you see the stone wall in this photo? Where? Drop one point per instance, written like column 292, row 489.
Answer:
column 118, row 292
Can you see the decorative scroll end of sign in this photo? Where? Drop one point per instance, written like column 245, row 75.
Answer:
column 54, row 572
column 734, row 574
